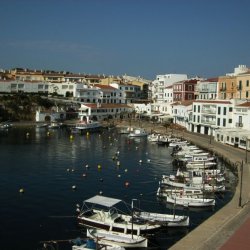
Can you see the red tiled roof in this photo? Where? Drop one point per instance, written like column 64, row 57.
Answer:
column 101, row 86
column 183, row 103
column 214, row 101
column 245, row 104
column 215, row 79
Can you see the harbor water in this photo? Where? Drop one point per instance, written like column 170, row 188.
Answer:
column 45, row 173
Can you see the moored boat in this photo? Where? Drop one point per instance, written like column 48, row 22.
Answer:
column 138, row 132
column 117, row 239
column 100, row 212
column 187, row 201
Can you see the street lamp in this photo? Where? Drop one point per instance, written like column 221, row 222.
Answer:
column 246, row 138
column 240, row 164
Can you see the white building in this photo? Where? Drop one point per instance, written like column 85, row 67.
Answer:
column 181, row 113
column 100, row 112
column 129, row 92
column 16, row 86
column 162, row 81
column 207, row 89
column 238, row 70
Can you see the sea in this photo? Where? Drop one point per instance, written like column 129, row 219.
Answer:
column 45, row 173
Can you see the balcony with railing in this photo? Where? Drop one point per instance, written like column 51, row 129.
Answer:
column 208, row 110
column 208, row 122
column 239, row 125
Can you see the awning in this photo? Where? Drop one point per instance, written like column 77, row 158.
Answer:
column 103, row 201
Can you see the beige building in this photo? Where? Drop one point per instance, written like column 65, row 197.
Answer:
column 243, row 86
column 227, row 87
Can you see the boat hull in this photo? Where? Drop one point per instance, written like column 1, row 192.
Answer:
column 118, row 239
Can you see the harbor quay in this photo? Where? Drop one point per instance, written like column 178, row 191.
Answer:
column 218, row 231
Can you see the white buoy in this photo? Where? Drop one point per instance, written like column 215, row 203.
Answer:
column 86, row 166
column 149, row 160
column 21, row 190
column 74, row 187
column 100, row 192
column 140, row 161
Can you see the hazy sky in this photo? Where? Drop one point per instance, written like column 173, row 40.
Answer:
column 134, row 37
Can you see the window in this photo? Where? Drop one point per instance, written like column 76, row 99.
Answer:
column 247, row 94
column 199, row 109
column 230, row 120
column 247, row 83
column 194, row 118
column 218, row 110
column 224, row 122
column 224, row 111
column 218, row 121
column 240, row 85
column 230, row 109
column 198, row 119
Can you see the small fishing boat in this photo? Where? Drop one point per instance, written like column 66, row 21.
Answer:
column 88, row 126
column 189, row 201
column 117, row 239
column 168, row 220
column 54, row 125
column 79, row 244
column 126, row 130
column 138, row 132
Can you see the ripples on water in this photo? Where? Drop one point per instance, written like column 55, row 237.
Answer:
column 48, row 166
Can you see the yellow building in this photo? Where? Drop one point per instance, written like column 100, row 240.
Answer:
column 243, row 86
column 227, row 87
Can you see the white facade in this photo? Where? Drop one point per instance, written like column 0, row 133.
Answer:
column 206, row 90
column 142, row 108
column 181, row 113
column 8, row 86
column 129, row 92
column 163, row 81
column 210, row 115
column 238, row 70
column 168, row 94
column 50, row 116
column 104, row 111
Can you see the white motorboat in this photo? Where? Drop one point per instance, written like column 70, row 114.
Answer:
column 189, row 201
column 54, row 125
column 117, row 239
column 138, row 132
column 126, row 130
column 196, row 182
column 100, row 212
column 199, row 164
column 178, row 143
column 168, row 220
column 88, row 126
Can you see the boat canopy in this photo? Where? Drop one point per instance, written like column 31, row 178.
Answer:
column 103, row 201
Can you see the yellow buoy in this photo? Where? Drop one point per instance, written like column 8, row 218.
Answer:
column 99, row 166
column 87, row 133
column 21, row 190
column 71, row 137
